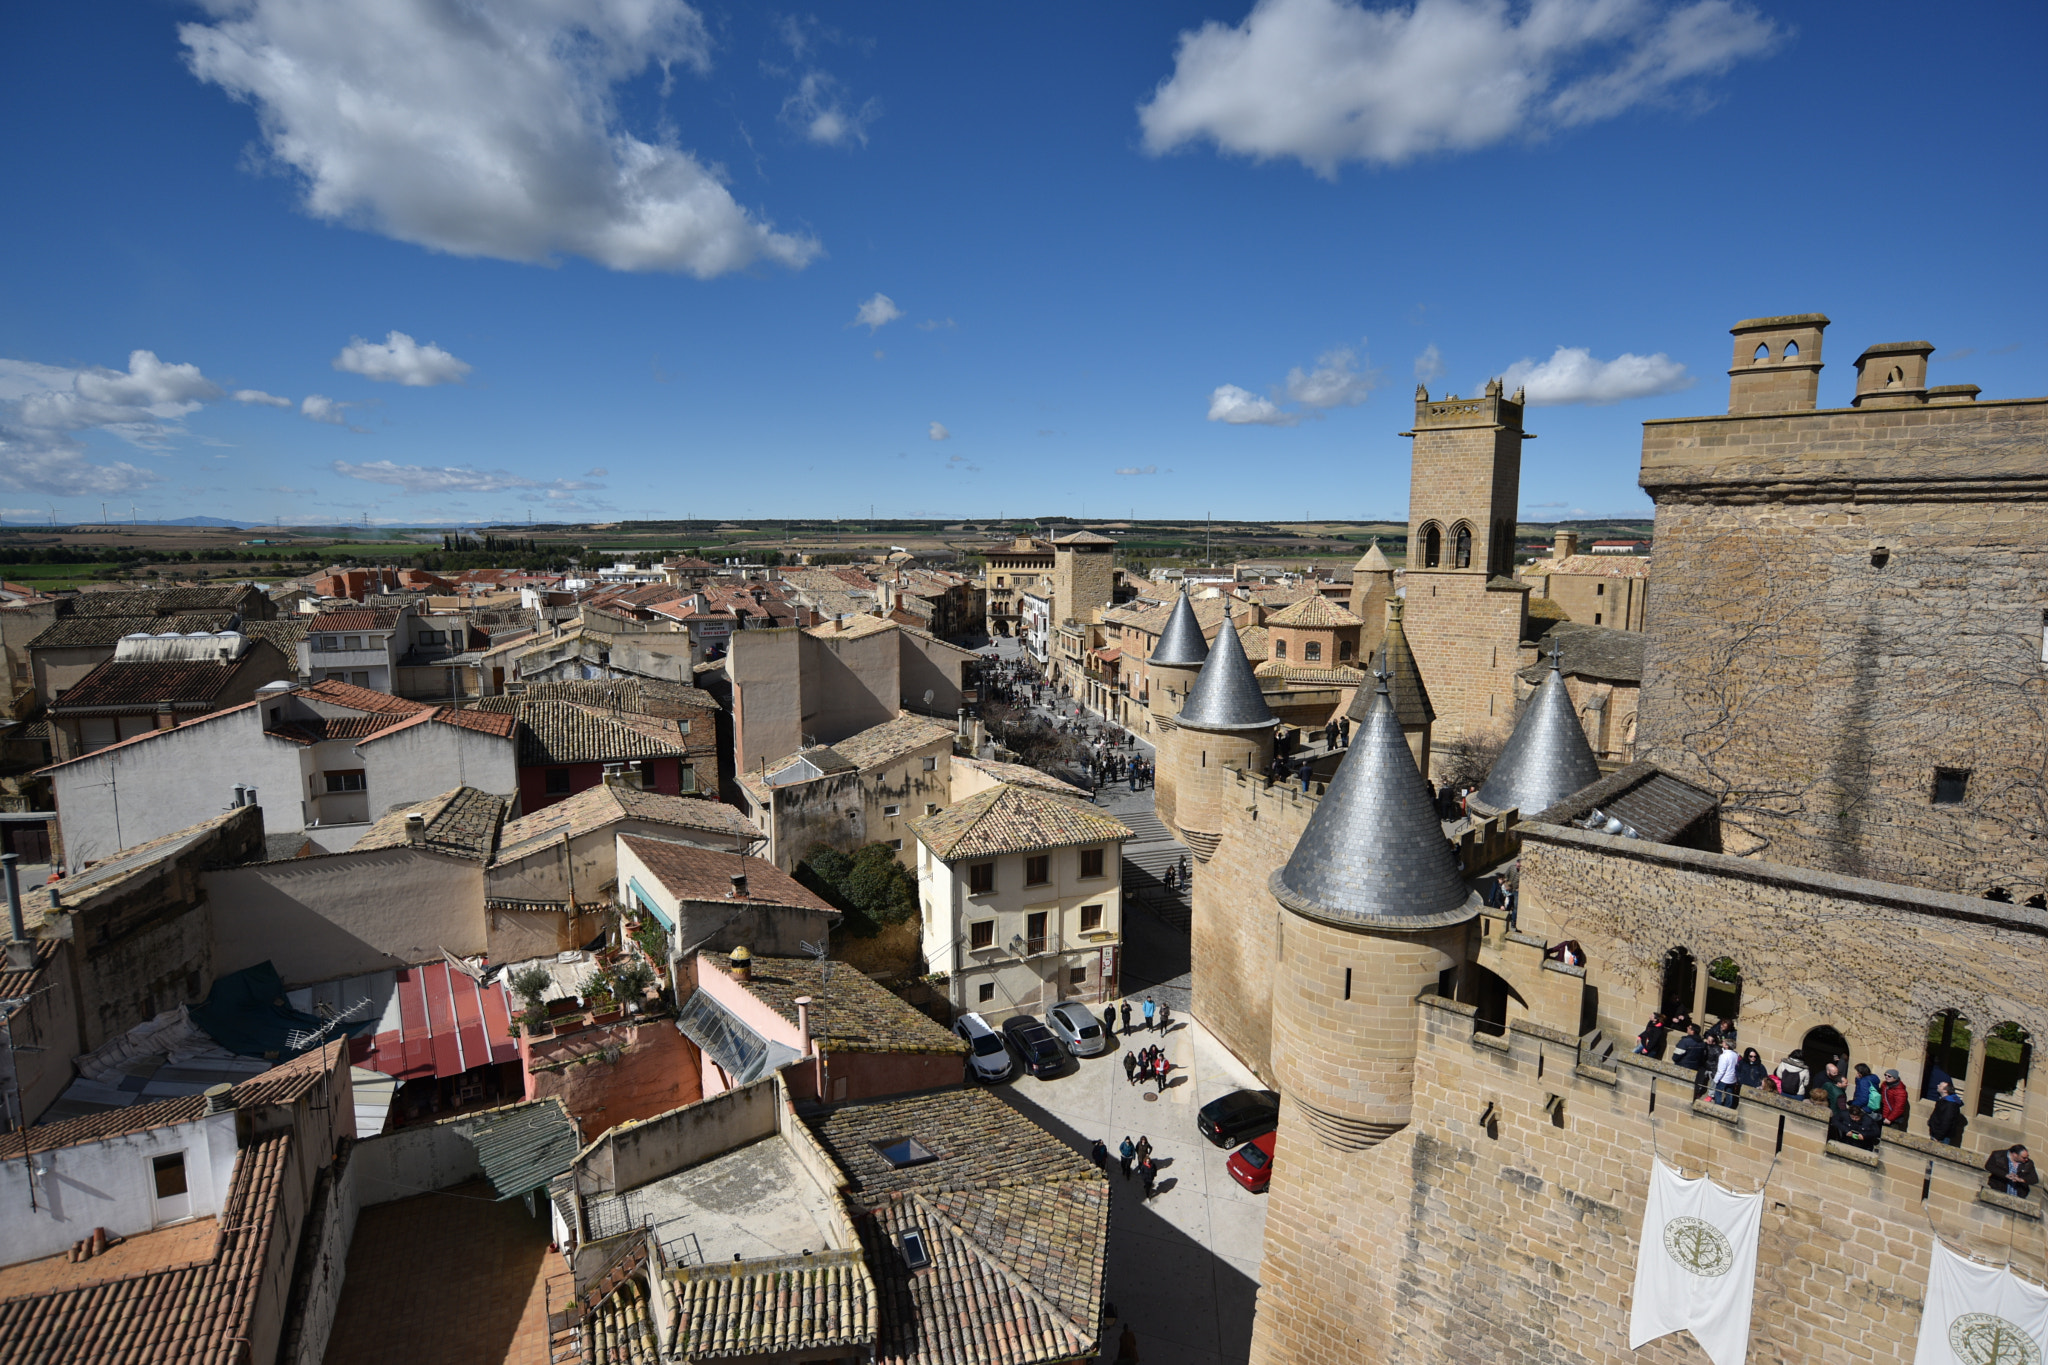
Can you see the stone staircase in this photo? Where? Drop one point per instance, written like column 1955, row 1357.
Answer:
column 1147, row 855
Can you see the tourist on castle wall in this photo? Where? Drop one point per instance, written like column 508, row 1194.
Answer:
column 1750, row 1071
column 1831, row 1082
column 1650, row 1042
column 1793, row 1077
column 1692, row 1050
column 1853, row 1125
column 1946, row 1121
column 1865, row 1083
column 1895, row 1103
column 1724, row 1077
column 2012, row 1171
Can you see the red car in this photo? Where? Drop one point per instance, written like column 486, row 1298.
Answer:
column 1252, row 1164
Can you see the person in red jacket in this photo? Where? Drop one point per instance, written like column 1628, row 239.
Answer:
column 1894, row 1102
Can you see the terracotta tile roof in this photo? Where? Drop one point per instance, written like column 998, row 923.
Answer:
column 195, row 1313
column 849, row 1011
column 560, row 732
column 285, row 632
column 626, row 694
column 139, row 682
column 854, row 628
column 1603, row 566
column 703, row 874
column 1017, row 774
column 96, row 631
column 320, row 729
column 1083, row 538
column 1317, row 611
column 15, row 984
column 654, row 727
column 1016, row 1221
column 285, row 1083
column 463, row 822
column 781, row 1304
column 1011, row 819
column 161, row 601
column 361, row 698
column 884, row 744
column 1313, row 675
column 595, row 808
column 487, row 722
column 357, row 618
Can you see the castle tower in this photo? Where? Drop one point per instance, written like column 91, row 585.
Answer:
column 1466, row 611
column 1170, row 672
column 1373, row 912
column 1546, row 759
column 1404, row 688
column 1225, row 725
column 1777, row 364
column 1083, row 576
column 1372, row 587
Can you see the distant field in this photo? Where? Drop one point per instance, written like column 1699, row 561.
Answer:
column 52, row 577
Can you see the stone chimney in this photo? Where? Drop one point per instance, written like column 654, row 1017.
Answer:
column 742, row 960
column 1777, row 364
column 739, row 886
column 416, row 828
column 1565, row 545
column 220, row 1099
column 803, row 1025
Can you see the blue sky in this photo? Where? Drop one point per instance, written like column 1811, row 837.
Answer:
column 426, row 262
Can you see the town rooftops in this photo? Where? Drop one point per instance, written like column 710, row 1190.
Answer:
column 1083, row 538
column 606, row 804
column 1648, row 802
column 122, row 683
column 99, row 631
column 355, row 698
column 1016, row 1224
column 851, row 628
column 1013, row 819
column 623, row 694
column 190, row 1313
column 1021, row 775
column 463, row 822
column 357, row 619
column 848, row 1011
column 881, row 745
column 1592, row 652
column 700, row 874
column 558, row 732
column 1604, row 565
column 1317, row 612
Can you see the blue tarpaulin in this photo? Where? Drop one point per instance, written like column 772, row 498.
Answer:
column 246, row 1013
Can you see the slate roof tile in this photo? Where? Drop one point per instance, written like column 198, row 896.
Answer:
column 463, row 822
column 849, row 1012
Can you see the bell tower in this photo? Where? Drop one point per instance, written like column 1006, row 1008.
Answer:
column 1465, row 608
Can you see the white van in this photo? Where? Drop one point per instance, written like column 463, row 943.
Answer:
column 986, row 1050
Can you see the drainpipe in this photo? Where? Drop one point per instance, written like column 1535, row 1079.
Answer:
column 803, row 1025
column 21, row 952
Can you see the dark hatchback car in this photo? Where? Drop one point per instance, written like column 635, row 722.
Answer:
column 1239, row 1115
column 1041, row 1052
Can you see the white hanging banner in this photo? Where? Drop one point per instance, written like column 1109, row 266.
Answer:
column 1980, row 1315
column 1696, row 1265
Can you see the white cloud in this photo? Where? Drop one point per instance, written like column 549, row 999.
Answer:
column 1139, row 469
column 818, row 109
column 320, row 408
column 937, row 325
column 1429, row 365
column 876, row 313
column 40, row 462
column 596, row 473
column 487, row 130
column 1241, row 407
column 938, row 432
column 1331, row 81
column 416, row 479
column 1336, row 381
column 1571, row 375
column 42, row 407
column 398, row 359
column 259, row 398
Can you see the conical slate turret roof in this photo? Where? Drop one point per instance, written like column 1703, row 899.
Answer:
column 1404, row 680
column 1547, row 758
column 1226, row 694
column 1181, row 642
column 1374, row 852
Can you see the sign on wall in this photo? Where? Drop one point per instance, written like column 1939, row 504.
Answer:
column 1696, row 1265
column 1980, row 1315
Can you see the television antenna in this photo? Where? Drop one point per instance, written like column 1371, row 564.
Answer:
column 300, row 1040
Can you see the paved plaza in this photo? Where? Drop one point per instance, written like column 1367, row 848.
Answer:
column 1183, row 1270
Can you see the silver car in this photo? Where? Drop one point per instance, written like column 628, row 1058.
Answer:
column 1073, row 1025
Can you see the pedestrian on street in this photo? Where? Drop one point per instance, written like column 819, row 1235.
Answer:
column 1144, row 1148
column 1126, row 1008
column 1159, row 1070
column 1099, row 1154
column 1344, row 733
column 1131, row 1068
column 1127, row 1347
column 1150, row 1174
column 1108, row 1020
column 1149, row 1010
column 1127, row 1154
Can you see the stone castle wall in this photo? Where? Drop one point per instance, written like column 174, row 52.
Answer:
column 1864, row 592
column 1500, row 1224
column 1466, row 638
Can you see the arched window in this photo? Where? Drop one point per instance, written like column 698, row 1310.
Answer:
column 1791, row 350
column 1432, row 546
column 2008, row 1055
column 1724, row 988
column 1762, row 352
column 1279, row 648
column 1680, row 975
column 1491, row 993
column 1895, row 378
column 1312, row 652
column 1344, row 650
column 1822, row 1045
column 1464, row 547
column 1948, row 1052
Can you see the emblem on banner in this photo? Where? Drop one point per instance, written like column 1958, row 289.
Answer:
column 1987, row 1339
column 1700, row 1247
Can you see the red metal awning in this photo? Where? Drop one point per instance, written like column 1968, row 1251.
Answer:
column 447, row 1023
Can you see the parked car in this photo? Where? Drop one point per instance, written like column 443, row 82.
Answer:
column 1041, row 1052
column 986, row 1054
column 1252, row 1164
column 1239, row 1115
column 1080, row 1030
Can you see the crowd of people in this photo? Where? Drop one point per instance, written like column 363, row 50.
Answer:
column 1860, row 1103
